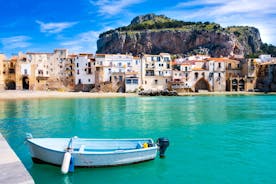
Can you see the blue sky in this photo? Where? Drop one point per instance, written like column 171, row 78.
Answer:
column 42, row 26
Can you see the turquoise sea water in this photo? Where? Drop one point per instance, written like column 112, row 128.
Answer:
column 213, row 139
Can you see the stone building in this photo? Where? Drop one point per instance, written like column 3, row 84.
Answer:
column 133, row 75
column 7, row 70
column 204, row 74
column 2, row 74
column 156, row 71
column 266, row 76
column 84, row 66
column 235, row 79
column 112, row 70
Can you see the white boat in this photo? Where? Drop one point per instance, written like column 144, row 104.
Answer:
column 82, row 152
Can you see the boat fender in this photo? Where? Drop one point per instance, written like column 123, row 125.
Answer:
column 72, row 164
column 145, row 145
column 66, row 163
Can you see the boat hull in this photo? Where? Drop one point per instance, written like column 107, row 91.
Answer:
column 96, row 158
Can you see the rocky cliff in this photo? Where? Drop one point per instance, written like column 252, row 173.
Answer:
column 153, row 34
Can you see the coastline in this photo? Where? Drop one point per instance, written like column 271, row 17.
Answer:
column 22, row 95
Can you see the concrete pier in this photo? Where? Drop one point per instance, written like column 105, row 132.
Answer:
column 11, row 168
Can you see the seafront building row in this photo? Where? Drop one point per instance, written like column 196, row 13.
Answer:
column 126, row 73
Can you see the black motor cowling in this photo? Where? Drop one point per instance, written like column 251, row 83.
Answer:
column 163, row 144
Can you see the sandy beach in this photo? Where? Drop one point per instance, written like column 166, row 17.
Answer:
column 19, row 94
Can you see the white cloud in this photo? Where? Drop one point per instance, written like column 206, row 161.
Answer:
column 260, row 14
column 83, row 42
column 199, row 3
column 218, row 7
column 54, row 27
column 15, row 42
column 113, row 7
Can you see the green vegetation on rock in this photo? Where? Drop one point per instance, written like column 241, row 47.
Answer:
column 161, row 22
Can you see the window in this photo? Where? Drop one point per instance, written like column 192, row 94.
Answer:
column 229, row 66
column 135, row 81
column 210, row 75
column 25, row 72
column 40, row 72
column 158, row 58
column 88, row 80
column 77, row 65
column 120, row 78
column 128, row 81
column 156, row 81
column 219, row 65
column 219, row 75
column 186, row 68
column 196, row 75
column 79, row 81
column 166, row 59
column 186, row 75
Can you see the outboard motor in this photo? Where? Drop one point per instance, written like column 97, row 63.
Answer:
column 163, row 143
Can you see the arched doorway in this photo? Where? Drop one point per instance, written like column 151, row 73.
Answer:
column 10, row 85
column 202, row 84
column 228, row 85
column 241, row 85
column 25, row 82
column 234, row 85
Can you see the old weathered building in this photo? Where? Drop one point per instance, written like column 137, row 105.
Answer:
column 156, row 71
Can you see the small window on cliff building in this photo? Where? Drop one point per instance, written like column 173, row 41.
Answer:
column 196, row 75
column 229, row 66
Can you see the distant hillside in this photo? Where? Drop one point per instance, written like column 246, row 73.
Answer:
column 153, row 34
